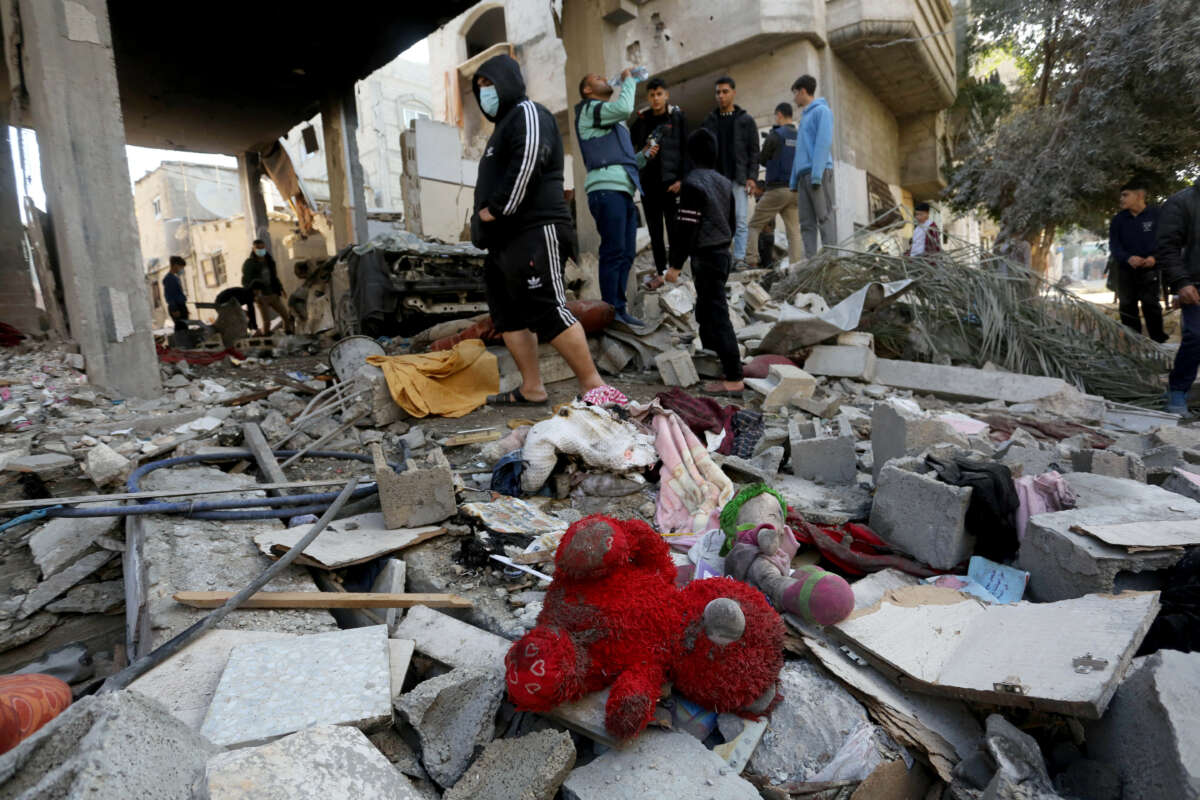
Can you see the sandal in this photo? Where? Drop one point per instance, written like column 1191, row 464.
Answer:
column 514, row 398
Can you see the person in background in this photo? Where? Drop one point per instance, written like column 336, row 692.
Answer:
column 243, row 297
column 812, row 168
column 660, row 134
column 778, row 151
column 1132, row 241
column 1178, row 255
column 737, row 156
column 766, row 238
column 707, row 219
column 174, row 295
column 259, row 276
column 612, row 180
column 926, row 239
column 521, row 219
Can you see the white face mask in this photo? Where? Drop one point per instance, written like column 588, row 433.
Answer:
column 260, row 251
column 489, row 100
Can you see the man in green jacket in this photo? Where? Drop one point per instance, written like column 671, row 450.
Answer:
column 258, row 275
column 612, row 180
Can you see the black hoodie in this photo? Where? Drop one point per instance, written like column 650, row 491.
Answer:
column 744, row 144
column 1179, row 239
column 521, row 173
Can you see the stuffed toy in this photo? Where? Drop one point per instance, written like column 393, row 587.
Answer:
column 759, row 547
column 27, row 702
column 613, row 617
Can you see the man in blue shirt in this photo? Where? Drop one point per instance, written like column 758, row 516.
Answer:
column 812, row 167
column 174, row 295
column 1132, row 239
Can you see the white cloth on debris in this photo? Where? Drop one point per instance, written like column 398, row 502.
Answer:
column 591, row 433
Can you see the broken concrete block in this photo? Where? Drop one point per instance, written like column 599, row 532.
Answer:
column 805, row 731
column 90, row 598
column 452, row 714
column 615, row 356
column 420, row 495
column 676, row 368
column 857, row 339
column 756, row 296
column 1180, row 481
column 923, row 517
column 384, row 410
column 531, row 767
column 842, row 361
column 900, row 428
column 1151, row 731
column 783, row 382
column 340, row 678
column 49, row 589
column 40, row 464
column 658, row 764
column 1033, row 461
column 1109, row 463
column 105, row 465
column 821, row 404
column 113, row 746
column 334, row 549
column 824, row 459
column 319, row 763
column 60, row 542
column 186, row 682
column 761, row 468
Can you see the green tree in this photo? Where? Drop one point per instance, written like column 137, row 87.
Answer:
column 1111, row 89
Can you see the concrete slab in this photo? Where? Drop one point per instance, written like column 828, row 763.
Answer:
column 114, row 746
column 334, row 549
column 842, row 361
column 60, row 542
column 676, row 368
column 400, row 652
column 186, row 682
column 923, row 517
column 320, row 763
column 453, row 714
column 658, row 764
column 783, row 382
column 40, row 464
column 49, row 589
column 824, row 459
column 530, row 767
column 270, row 689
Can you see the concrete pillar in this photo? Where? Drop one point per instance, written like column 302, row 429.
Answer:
column 254, row 205
column 18, row 306
column 71, row 81
column 339, row 121
column 582, row 32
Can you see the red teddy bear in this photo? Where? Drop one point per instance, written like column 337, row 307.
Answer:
column 614, row 617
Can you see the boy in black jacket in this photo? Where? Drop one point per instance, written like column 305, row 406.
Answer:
column 521, row 218
column 660, row 132
column 707, row 220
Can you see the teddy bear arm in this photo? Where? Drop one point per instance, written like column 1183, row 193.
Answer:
column 632, row 699
column 649, row 550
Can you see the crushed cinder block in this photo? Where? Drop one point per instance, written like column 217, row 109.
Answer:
column 318, row 763
column 114, row 746
column 62, row 541
column 676, row 368
column 824, row 459
column 823, row 404
column 842, row 361
column 1111, row 463
column 1033, row 461
column 900, row 428
column 615, row 356
column 763, row 467
column 383, row 408
column 658, row 764
column 1151, row 731
column 783, row 383
column 1183, row 482
column 756, row 296
column 530, row 767
column 341, row 678
column 420, row 495
column 922, row 516
column 105, row 465
column 857, row 339
column 53, row 587
column 453, row 714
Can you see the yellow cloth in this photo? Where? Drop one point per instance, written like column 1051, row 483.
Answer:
column 450, row 383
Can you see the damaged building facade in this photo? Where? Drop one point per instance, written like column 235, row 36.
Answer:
column 888, row 71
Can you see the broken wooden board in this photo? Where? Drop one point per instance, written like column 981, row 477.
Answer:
column 334, row 549
column 324, row 600
column 477, row 437
column 1148, row 535
column 1066, row 657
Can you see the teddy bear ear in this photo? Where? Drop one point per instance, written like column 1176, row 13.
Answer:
column 724, row 621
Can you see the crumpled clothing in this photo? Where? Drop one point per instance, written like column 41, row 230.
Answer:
column 1039, row 494
column 450, row 383
column 590, row 432
column 506, row 475
column 604, row 396
column 692, row 489
column 992, row 512
column 748, row 428
column 702, row 414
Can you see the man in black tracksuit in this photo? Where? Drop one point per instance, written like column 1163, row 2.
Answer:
column 737, row 157
column 707, row 218
column 662, row 130
column 1179, row 257
column 521, row 218
column 1131, row 242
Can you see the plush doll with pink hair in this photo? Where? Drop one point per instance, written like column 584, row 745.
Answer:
column 613, row 617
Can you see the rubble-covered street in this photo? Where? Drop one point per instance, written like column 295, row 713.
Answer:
column 1022, row 558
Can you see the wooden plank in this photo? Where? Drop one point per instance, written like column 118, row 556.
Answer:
column 1145, row 535
column 1066, row 657
column 150, row 495
column 325, row 600
column 251, row 397
column 463, row 439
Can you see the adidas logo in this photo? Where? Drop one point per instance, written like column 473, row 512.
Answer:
column 535, row 282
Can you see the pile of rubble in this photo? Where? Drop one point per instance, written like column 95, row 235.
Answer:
column 1024, row 609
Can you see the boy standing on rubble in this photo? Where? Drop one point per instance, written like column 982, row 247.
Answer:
column 174, row 295
column 706, row 224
